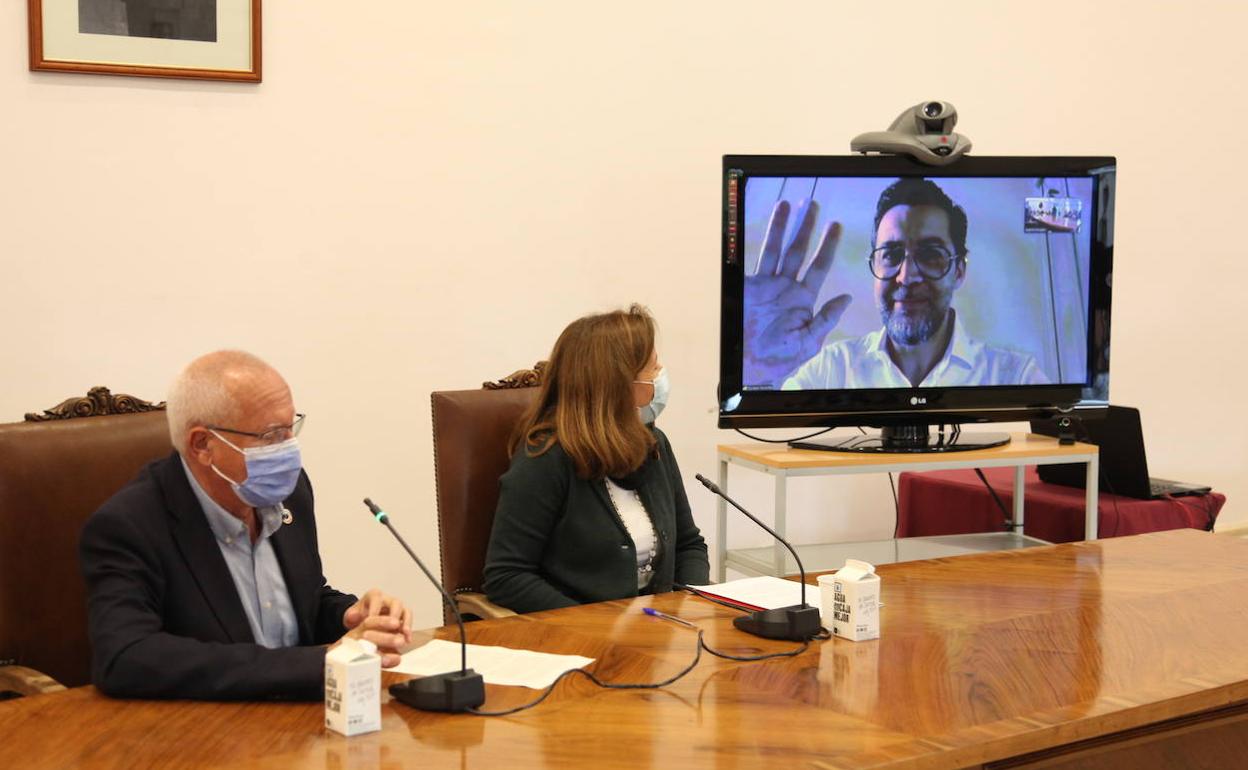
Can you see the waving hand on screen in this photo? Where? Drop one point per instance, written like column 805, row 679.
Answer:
column 783, row 328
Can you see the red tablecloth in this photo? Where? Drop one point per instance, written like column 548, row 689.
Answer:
column 956, row 502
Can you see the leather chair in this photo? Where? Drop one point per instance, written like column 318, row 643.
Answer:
column 56, row 469
column 472, row 432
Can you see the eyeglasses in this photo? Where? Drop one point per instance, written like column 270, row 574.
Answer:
column 933, row 260
column 272, row 435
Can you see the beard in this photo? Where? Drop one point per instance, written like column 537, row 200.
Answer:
column 916, row 327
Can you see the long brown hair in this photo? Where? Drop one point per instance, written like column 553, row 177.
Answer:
column 586, row 398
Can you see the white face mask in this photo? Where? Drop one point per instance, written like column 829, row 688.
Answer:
column 662, row 388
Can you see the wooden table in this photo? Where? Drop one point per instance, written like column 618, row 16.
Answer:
column 782, row 463
column 1115, row 653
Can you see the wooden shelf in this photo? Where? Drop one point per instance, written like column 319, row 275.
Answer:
column 781, row 463
column 1022, row 446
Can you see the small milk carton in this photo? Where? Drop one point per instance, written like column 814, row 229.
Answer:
column 851, row 597
column 353, row 687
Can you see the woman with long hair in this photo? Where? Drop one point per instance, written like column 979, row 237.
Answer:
column 593, row 507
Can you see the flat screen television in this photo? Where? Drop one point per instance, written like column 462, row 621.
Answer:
column 878, row 291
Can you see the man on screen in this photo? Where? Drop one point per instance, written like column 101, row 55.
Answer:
column 918, row 260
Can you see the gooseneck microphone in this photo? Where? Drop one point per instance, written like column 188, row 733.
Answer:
column 798, row 622
column 455, row 690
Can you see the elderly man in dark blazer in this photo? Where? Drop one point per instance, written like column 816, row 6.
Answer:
column 203, row 575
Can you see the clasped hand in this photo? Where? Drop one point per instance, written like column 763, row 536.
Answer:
column 782, row 327
column 383, row 620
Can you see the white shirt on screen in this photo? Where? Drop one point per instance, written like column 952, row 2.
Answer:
column 863, row 362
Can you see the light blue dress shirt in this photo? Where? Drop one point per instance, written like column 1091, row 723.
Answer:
column 255, row 569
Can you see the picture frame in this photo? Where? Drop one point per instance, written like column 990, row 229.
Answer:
column 201, row 39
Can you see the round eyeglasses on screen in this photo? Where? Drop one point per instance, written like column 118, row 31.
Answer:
column 933, row 260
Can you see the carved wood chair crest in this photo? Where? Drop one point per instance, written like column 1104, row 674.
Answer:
column 98, row 401
column 523, row 378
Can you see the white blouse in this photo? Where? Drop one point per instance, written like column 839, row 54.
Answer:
column 637, row 521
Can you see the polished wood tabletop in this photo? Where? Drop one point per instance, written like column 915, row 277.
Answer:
column 981, row 658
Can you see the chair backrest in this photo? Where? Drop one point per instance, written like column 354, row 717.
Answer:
column 54, row 472
column 472, row 431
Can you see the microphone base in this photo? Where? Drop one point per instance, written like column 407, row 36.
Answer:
column 797, row 623
column 453, row 691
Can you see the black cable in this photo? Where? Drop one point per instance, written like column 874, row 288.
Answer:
column 702, row 645
column 896, row 504
column 781, row 440
column 805, row 645
column 896, row 507
column 823, row 634
column 594, row 678
column 1006, row 519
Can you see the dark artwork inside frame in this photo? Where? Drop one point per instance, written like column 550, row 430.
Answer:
column 170, row 19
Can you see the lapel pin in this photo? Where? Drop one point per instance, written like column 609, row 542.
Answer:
column 287, row 516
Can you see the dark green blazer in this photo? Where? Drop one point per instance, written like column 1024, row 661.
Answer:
column 557, row 540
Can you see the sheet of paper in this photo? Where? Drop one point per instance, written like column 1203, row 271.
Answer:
column 766, row 592
column 498, row 665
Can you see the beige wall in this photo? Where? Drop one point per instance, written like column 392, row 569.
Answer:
column 419, row 196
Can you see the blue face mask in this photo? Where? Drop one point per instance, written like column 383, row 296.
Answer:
column 272, row 472
column 650, row 412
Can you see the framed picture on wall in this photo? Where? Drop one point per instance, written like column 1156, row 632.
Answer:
column 209, row 39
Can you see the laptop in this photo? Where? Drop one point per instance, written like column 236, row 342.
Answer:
column 1124, row 469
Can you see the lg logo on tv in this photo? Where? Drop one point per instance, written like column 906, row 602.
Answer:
column 917, row 400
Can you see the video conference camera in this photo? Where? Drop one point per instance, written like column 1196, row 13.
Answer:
column 925, row 132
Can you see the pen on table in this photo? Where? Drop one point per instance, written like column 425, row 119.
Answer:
column 655, row 613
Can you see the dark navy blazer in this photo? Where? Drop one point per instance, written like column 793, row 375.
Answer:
column 164, row 617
